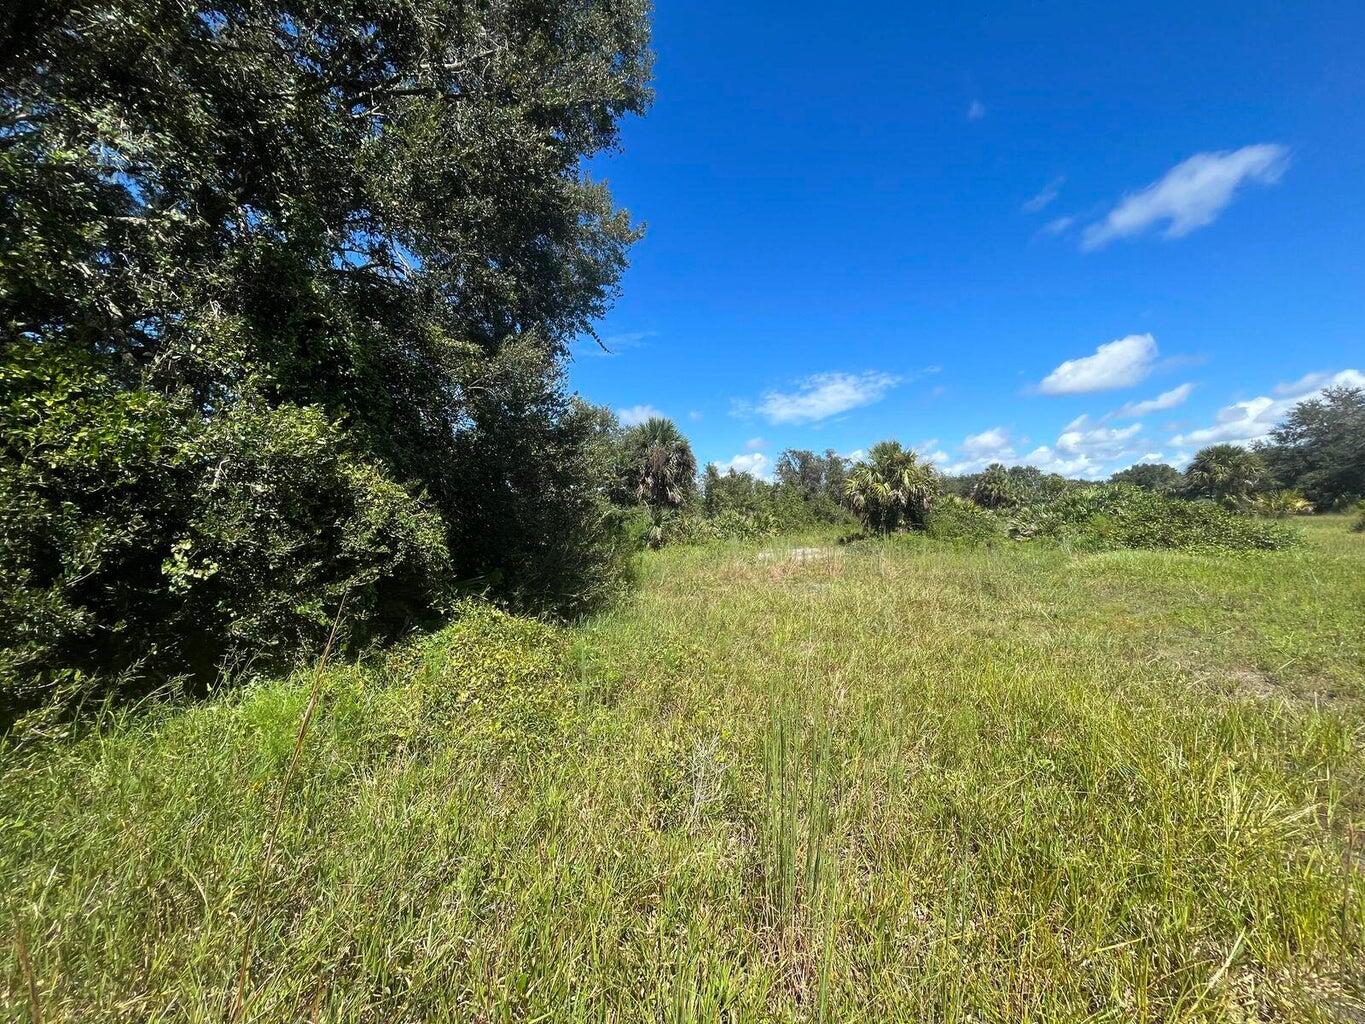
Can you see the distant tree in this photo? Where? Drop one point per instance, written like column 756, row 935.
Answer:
column 1150, row 476
column 802, row 471
column 994, row 488
column 892, row 489
column 1320, row 448
column 659, row 468
column 817, row 480
column 732, row 491
column 1226, row 473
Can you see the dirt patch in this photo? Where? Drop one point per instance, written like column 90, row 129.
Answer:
column 796, row 555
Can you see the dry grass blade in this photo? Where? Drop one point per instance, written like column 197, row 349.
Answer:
column 35, row 1010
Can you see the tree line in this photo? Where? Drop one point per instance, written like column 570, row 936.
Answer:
column 1314, row 460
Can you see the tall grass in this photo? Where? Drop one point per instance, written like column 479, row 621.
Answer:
column 895, row 781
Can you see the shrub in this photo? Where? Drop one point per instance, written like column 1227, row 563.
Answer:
column 135, row 534
column 1151, row 476
column 1125, row 516
column 1359, row 524
column 1281, row 504
column 958, row 520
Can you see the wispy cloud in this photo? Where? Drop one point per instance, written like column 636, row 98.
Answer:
column 823, row 395
column 1190, row 195
column 976, row 110
column 1162, row 402
column 1044, row 198
column 1117, row 364
column 633, row 415
column 755, row 443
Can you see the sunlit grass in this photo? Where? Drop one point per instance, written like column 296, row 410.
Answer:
column 882, row 781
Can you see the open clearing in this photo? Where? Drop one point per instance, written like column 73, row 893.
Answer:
column 897, row 781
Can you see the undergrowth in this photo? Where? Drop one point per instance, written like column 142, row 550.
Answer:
column 898, row 780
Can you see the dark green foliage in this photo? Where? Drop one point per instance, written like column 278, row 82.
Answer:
column 136, row 533
column 1125, row 516
column 1227, row 474
column 1024, row 485
column 285, row 292
column 1150, row 476
column 892, row 489
column 1320, row 449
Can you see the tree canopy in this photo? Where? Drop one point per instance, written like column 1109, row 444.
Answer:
column 1319, row 450
column 1150, row 476
column 311, row 263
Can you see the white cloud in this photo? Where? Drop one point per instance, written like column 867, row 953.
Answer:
column 1082, row 450
column 1190, row 195
column 1049, row 461
column 857, row 455
column 1309, row 382
column 633, row 415
column 754, row 444
column 1165, row 400
column 1117, row 364
column 978, row 452
column 976, row 111
column 825, row 394
column 1046, row 196
column 754, row 463
column 1253, row 419
column 988, row 442
column 1099, row 442
column 1079, row 422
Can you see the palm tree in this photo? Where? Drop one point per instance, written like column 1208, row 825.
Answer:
column 993, row 488
column 1227, row 473
column 658, row 466
column 892, row 489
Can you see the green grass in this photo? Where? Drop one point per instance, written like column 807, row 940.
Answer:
column 896, row 781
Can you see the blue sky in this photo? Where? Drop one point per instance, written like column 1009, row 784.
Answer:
column 1072, row 234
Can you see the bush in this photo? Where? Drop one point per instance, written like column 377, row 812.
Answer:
column 1281, row 504
column 1359, row 524
column 1125, row 516
column 958, row 520
column 135, row 534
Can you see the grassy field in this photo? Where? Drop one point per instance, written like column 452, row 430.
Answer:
column 887, row 781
